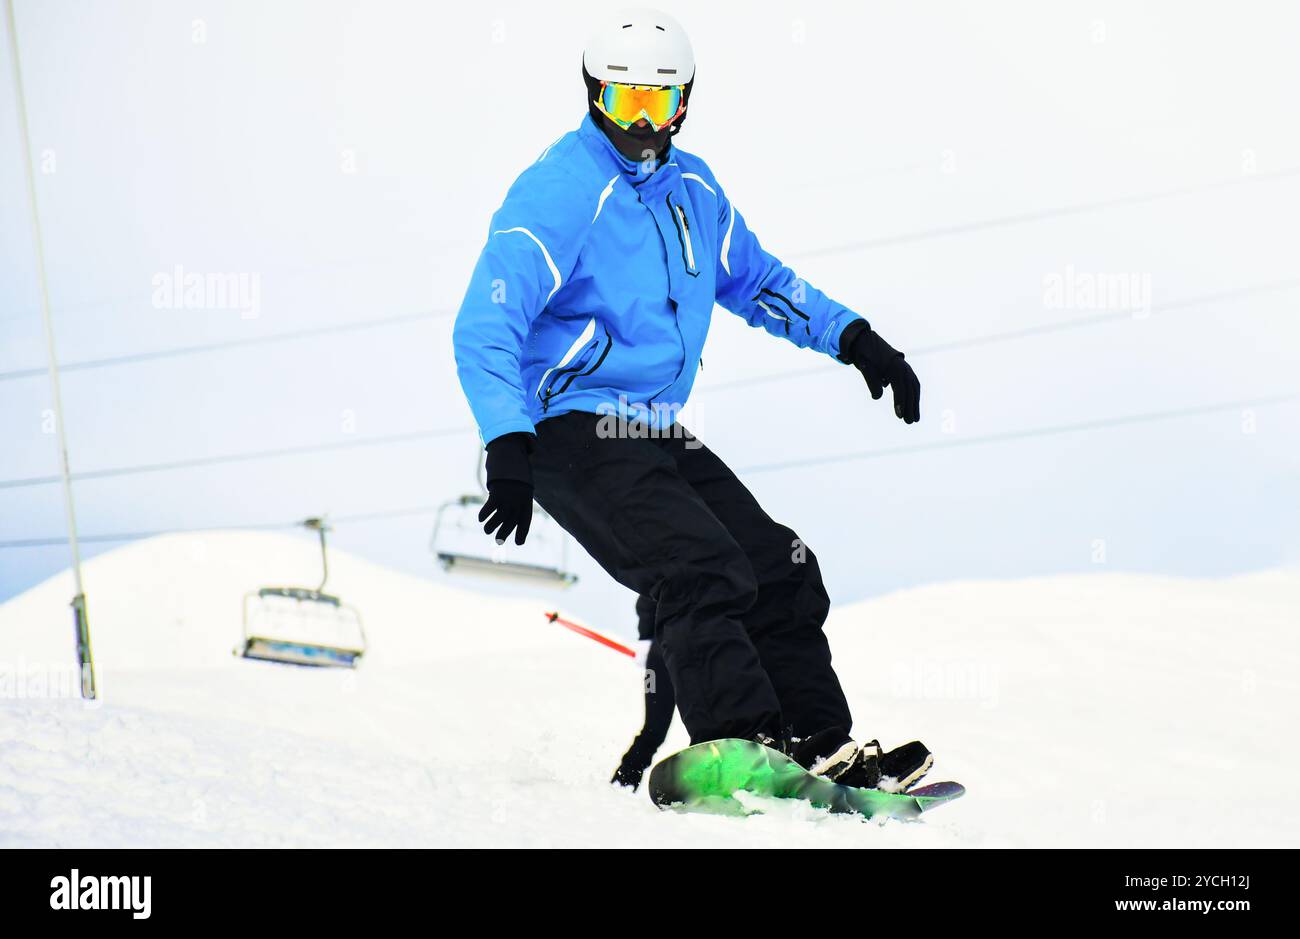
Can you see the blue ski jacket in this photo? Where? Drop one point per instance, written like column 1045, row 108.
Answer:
column 596, row 287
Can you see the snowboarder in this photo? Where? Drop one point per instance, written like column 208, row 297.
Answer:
column 660, row 702
column 577, row 344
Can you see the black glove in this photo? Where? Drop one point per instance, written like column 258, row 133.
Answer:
column 633, row 765
column 881, row 365
column 629, row 775
column 509, row 505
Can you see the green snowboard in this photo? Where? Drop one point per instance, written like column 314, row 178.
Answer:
column 706, row 777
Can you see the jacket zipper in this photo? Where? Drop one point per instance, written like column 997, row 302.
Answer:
column 683, row 234
column 690, row 248
column 681, row 339
column 564, row 377
column 793, row 309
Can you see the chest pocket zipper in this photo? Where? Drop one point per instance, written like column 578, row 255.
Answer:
column 583, row 358
column 683, row 235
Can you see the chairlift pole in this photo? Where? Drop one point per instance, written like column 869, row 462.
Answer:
column 321, row 527
column 81, row 622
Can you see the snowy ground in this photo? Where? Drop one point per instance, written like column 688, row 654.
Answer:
column 1100, row 711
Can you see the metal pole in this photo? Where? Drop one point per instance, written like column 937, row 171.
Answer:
column 81, row 622
column 324, row 561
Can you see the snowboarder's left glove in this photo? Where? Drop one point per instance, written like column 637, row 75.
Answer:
column 509, row 505
column 881, row 365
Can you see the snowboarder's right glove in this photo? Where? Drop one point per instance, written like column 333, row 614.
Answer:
column 881, row 365
column 509, row 505
column 628, row 775
column 634, row 764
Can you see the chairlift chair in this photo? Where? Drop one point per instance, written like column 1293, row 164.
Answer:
column 303, row 626
column 547, row 544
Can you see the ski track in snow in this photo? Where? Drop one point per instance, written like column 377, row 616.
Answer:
column 1099, row 710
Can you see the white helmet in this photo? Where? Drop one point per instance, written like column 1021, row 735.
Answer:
column 640, row 47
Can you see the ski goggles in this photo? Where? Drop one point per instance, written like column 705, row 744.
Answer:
column 627, row 104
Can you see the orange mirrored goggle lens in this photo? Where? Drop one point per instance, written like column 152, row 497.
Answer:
column 627, row 104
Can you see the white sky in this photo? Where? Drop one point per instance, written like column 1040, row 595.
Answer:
column 940, row 139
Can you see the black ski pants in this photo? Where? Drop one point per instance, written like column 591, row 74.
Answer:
column 739, row 600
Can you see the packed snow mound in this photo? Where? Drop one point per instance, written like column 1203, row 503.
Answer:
column 177, row 601
column 1102, row 710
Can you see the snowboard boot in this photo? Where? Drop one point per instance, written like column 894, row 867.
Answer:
column 832, row 754
column 902, row 767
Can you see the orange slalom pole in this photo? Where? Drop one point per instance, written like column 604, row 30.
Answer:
column 590, row 634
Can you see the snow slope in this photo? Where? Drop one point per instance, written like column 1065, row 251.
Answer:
column 1103, row 710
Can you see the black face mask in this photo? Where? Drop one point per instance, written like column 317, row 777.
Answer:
column 634, row 142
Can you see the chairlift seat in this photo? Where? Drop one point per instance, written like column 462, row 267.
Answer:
column 543, row 561
column 300, row 626
column 504, row 570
